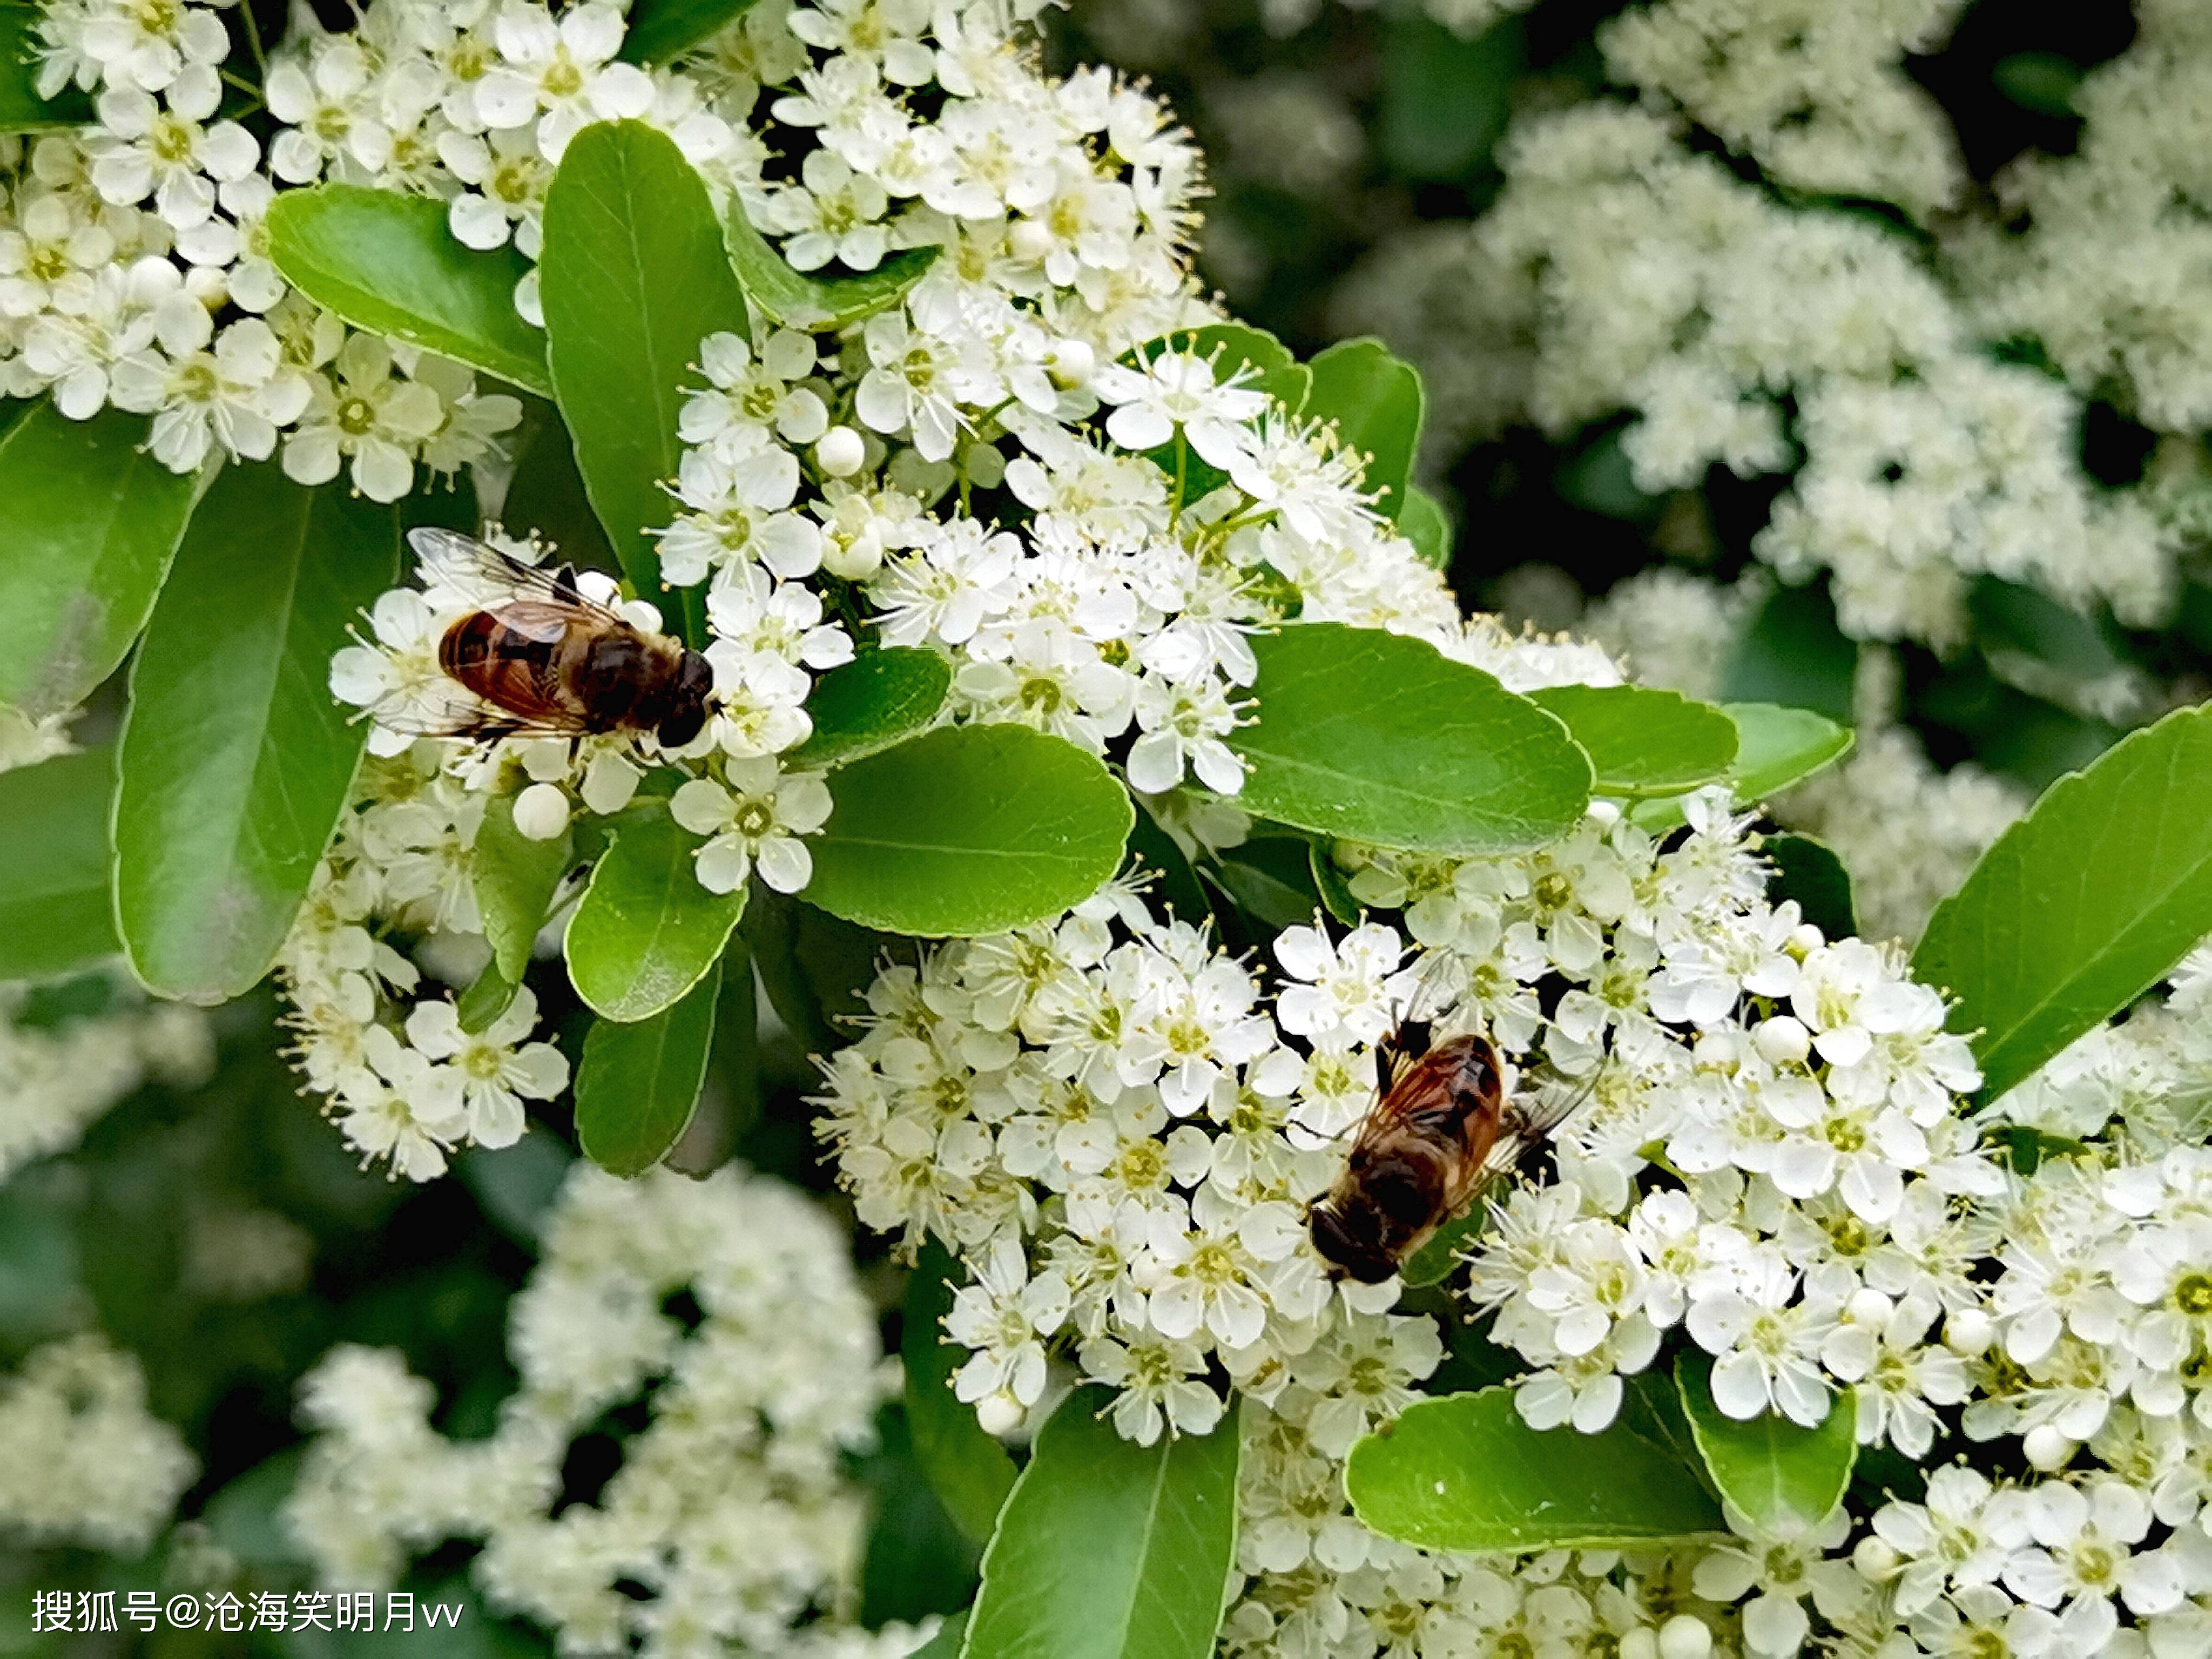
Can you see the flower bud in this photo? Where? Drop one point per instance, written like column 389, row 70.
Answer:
column 1638, row 1644
column 1072, row 364
column 1782, row 1041
column 1029, row 241
column 999, row 1412
column 1877, row 1563
column 1684, row 1636
column 840, row 453
column 2047, row 1449
column 541, row 811
column 1804, row 940
column 1970, row 1331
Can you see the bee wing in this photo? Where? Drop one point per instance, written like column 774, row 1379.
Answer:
column 487, row 578
column 1439, row 985
column 1526, row 1124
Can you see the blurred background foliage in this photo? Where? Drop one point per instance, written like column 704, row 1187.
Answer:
column 218, row 1231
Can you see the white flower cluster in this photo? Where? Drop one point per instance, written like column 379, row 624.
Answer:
column 732, row 1516
column 83, row 1463
column 833, row 479
column 1814, row 91
column 1671, row 629
column 57, row 1078
column 2102, row 253
column 133, row 271
column 405, row 1081
column 1619, row 270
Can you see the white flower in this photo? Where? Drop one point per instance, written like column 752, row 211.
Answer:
column 2086, row 1550
column 1764, row 1339
column 756, row 821
column 833, row 215
column 1176, row 392
column 370, row 415
column 1158, row 1381
column 1003, row 1315
column 329, row 112
column 1353, row 992
column 561, row 69
column 495, row 1074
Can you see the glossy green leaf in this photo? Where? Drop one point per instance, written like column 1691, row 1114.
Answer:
column 488, row 995
column 1465, row 1472
column 1790, row 652
column 661, row 29
column 386, row 261
column 917, row 1562
column 235, row 760
column 1445, row 96
column 1375, row 736
column 1806, row 869
column 634, row 276
column 2084, row 904
column 640, row 1080
column 870, row 703
column 1642, row 740
column 515, row 878
column 55, row 911
column 1786, row 1479
column 968, row 830
column 1336, row 895
column 89, row 521
column 1376, row 401
column 1271, row 879
column 646, row 932
column 21, row 109
column 1108, row 1549
column 1776, row 747
column 969, row 1470
column 1433, row 1262
column 1425, row 524
column 545, row 498
column 805, row 300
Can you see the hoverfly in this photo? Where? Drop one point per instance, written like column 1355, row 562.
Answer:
column 548, row 662
column 1441, row 1126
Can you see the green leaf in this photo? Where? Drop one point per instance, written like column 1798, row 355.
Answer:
column 917, row 1562
column 1336, row 895
column 968, row 830
column 90, row 522
column 490, row 995
column 970, row 1471
column 1790, row 652
column 1376, row 401
column 870, row 703
column 1271, row 879
column 1777, row 747
column 21, row 109
column 1807, row 870
column 1642, row 740
column 945, row 1645
column 634, row 276
column 235, row 760
column 386, row 262
column 2084, row 904
column 1107, row 1549
column 515, row 879
column 545, row 498
column 1150, row 847
column 55, row 911
column 1425, row 524
column 1433, row 1262
column 1785, row 1479
column 640, row 1080
column 1375, row 736
column 1465, row 1472
column 660, row 29
column 818, row 303
column 646, row 932
column 1229, row 347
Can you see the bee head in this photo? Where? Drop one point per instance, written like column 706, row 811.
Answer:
column 1351, row 1249
column 690, row 703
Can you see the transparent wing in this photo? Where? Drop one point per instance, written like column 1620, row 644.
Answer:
column 483, row 576
column 1440, row 985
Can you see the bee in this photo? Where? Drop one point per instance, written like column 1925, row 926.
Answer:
column 544, row 660
column 1441, row 1126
